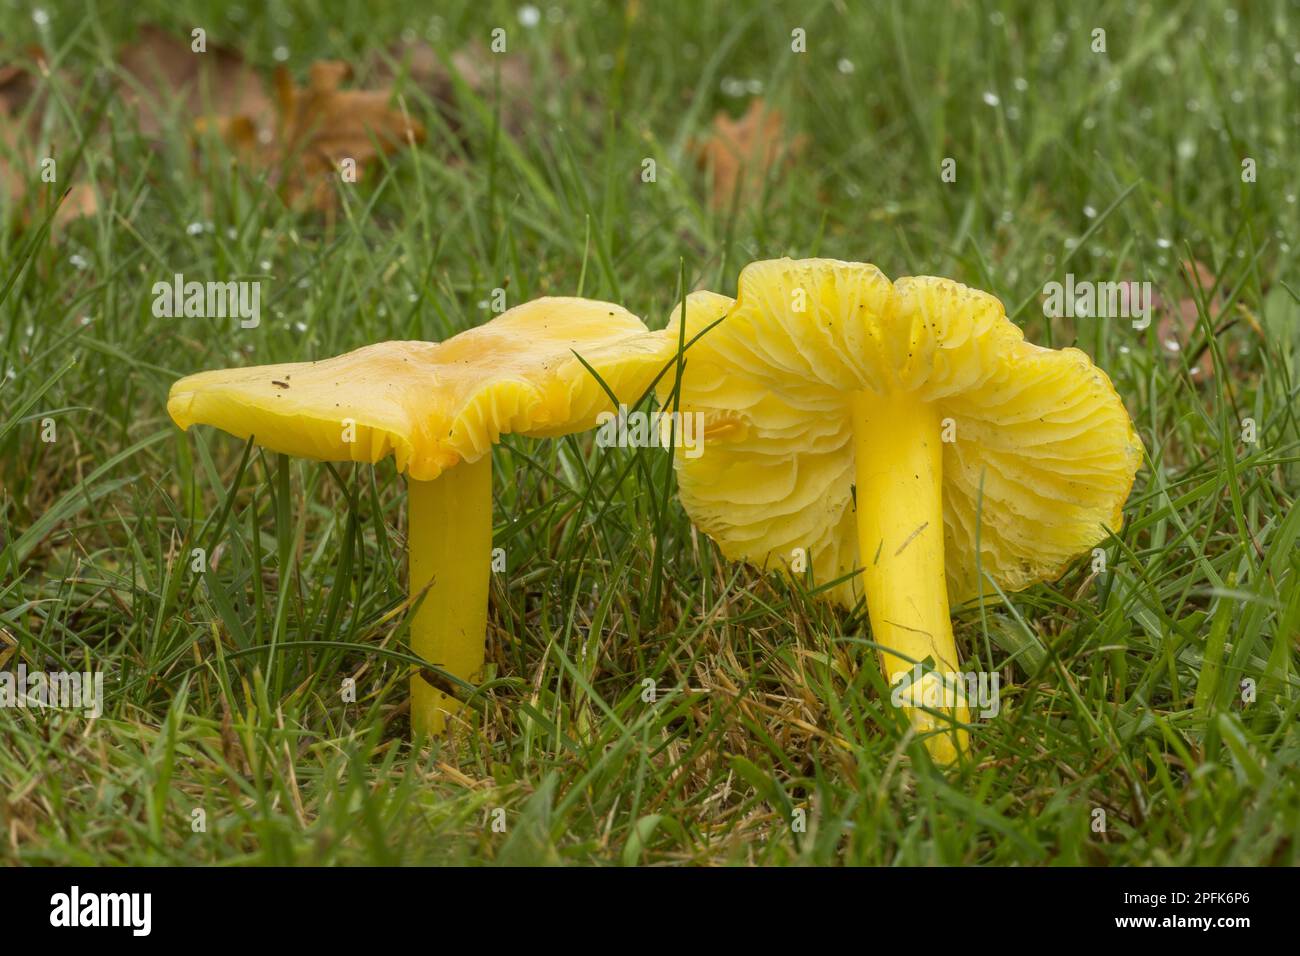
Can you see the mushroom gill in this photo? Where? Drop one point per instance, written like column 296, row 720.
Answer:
column 906, row 439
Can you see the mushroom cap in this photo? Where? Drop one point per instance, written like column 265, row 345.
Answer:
column 434, row 404
column 1043, row 431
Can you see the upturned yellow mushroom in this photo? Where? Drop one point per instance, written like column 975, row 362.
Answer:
column 438, row 408
column 904, row 431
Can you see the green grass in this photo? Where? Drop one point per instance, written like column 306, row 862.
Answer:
column 1120, row 691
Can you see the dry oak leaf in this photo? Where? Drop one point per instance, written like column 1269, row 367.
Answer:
column 321, row 126
column 300, row 134
column 476, row 67
column 18, row 163
column 160, row 68
column 17, row 84
column 325, row 124
column 739, row 154
column 16, row 88
column 12, row 184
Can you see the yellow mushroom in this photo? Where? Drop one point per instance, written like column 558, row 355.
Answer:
column 905, row 429
column 438, row 408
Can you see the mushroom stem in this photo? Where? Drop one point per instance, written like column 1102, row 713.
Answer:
column 899, row 464
column 449, row 542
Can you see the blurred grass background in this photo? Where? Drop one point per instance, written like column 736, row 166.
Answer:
column 1121, row 692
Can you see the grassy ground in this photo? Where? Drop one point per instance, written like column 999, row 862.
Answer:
column 1121, row 691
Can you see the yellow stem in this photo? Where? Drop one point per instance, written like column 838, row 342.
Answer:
column 899, row 464
column 449, row 542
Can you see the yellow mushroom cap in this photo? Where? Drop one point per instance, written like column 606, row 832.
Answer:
column 1042, row 430
column 434, row 404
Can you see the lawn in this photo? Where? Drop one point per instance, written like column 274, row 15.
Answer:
column 646, row 701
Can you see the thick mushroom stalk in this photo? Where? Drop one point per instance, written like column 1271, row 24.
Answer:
column 899, row 441
column 449, row 547
column 543, row 369
column 900, row 538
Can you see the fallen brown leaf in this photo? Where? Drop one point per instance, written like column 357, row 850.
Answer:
column 19, row 93
column 300, row 135
column 16, row 87
column 739, row 154
column 322, row 125
column 81, row 200
column 476, row 66
column 12, row 184
column 17, row 83
column 160, row 69
column 328, row 124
